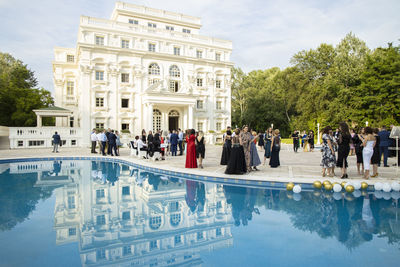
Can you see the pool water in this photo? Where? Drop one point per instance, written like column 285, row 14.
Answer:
column 96, row 213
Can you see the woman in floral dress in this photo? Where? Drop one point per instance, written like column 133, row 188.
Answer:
column 328, row 160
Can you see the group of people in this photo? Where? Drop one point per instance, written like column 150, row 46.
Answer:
column 167, row 143
column 108, row 140
column 307, row 141
column 240, row 154
column 369, row 145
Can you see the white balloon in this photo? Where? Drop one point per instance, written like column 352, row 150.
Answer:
column 297, row 197
column 395, row 194
column 395, row 186
column 387, row 195
column 337, row 196
column 337, row 188
column 386, row 187
column 378, row 194
column 296, row 189
column 357, row 193
column 378, row 186
column 357, row 185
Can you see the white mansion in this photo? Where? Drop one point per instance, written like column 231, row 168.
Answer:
column 144, row 68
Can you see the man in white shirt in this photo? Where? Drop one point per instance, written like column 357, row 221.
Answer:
column 93, row 138
column 103, row 139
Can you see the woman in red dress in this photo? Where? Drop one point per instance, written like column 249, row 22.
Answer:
column 191, row 161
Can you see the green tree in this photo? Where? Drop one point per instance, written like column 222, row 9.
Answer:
column 19, row 94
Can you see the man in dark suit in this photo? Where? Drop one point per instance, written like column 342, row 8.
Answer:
column 174, row 142
column 108, row 142
column 112, row 143
column 384, row 145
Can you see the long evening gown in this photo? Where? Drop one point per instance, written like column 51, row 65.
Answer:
column 236, row 163
column 226, row 151
column 191, row 161
column 274, row 160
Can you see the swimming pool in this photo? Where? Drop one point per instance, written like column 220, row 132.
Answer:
column 95, row 213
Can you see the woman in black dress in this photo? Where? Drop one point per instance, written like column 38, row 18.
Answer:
column 359, row 151
column 150, row 139
column 144, row 136
column 275, row 148
column 200, row 148
column 267, row 141
column 375, row 160
column 311, row 140
column 226, row 150
column 236, row 163
column 344, row 140
column 261, row 141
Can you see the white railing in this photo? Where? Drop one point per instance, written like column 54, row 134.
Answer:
column 36, row 137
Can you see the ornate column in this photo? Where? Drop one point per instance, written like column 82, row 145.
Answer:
column 85, row 103
column 38, row 121
column 190, row 116
column 149, row 117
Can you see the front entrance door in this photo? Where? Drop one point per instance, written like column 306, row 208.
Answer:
column 173, row 123
column 173, row 120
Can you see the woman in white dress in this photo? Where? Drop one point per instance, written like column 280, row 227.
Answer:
column 368, row 143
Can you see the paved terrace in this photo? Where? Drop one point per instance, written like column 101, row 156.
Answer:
column 302, row 167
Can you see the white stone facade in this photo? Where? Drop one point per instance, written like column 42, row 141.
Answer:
column 144, row 68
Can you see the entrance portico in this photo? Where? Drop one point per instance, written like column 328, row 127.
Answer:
column 167, row 113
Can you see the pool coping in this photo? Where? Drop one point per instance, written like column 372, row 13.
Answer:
column 204, row 176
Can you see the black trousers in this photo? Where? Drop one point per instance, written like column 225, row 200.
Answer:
column 180, row 147
column 103, row 147
column 94, row 146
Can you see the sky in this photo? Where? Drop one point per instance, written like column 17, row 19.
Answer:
column 264, row 33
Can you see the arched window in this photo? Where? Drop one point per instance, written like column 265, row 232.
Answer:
column 173, row 113
column 156, row 120
column 174, row 71
column 155, row 222
column 175, row 219
column 154, row 69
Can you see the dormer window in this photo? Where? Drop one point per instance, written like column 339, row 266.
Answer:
column 133, row 21
column 169, row 28
column 99, row 40
column 185, row 30
column 70, row 58
column 152, row 25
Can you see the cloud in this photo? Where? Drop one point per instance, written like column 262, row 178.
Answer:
column 264, row 33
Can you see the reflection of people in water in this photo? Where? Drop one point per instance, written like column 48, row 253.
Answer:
column 195, row 195
column 367, row 224
column 327, row 213
column 242, row 200
column 106, row 171
column 343, row 220
column 56, row 167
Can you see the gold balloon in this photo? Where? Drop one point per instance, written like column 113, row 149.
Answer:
column 350, row 189
column 328, row 187
column 317, row 184
column 343, row 184
column 364, row 185
column 326, row 182
column 289, row 186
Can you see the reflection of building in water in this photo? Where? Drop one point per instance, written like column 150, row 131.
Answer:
column 142, row 219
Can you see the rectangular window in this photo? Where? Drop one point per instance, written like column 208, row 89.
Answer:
column 218, row 83
column 125, row 126
column 199, row 54
column 173, row 206
column 71, row 202
column 99, row 40
column 99, row 125
column 101, row 220
column 219, row 205
column 199, row 82
column 152, row 47
column 101, row 254
column 73, row 142
column 99, row 75
column 218, row 126
column 124, row 43
column 125, row 103
column 20, row 143
column 218, row 105
column 126, row 191
column 153, row 81
column 177, row 51
column 127, row 250
column 200, row 104
column 70, row 88
column 134, row 21
column 99, row 102
column 126, row 215
column 174, row 86
column 169, row 28
column 36, row 143
column 71, row 122
column 199, row 126
column 200, row 235
column 178, row 239
column 152, row 25
column 100, row 193
column 72, row 231
column 185, row 30
column 125, row 77
column 218, row 231
column 70, row 58
column 153, row 244
column 218, row 57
